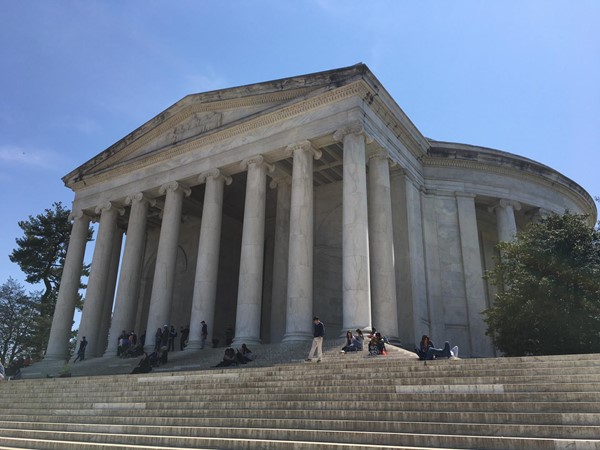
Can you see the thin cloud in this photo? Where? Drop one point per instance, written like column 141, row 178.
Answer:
column 203, row 83
column 16, row 156
column 83, row 125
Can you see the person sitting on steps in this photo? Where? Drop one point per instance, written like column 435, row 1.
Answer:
column 433, row 352
column 424, row 346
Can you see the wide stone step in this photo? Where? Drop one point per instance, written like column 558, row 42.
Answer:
column 273, row 438
column 199, row 408
column 181, row 417
column 164, row 390
column 440, row 368
column 394, row 393
column 162, row 393
column 48, row 444
column 365, row 425
column 539, row 382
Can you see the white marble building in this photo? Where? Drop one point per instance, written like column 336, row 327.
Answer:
column 258, row 206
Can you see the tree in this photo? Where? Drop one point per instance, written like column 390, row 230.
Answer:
column 549, row 289
column 18, row 321
column 41, row 251
column 40, row 254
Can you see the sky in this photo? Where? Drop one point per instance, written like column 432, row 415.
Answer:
column 521, row 76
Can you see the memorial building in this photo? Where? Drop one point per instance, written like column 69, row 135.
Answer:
column 255, row 207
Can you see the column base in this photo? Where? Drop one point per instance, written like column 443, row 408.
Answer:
column 197, row 345
column 57, row 356
column 237, row 342
column 109, row 353
column 297, row 336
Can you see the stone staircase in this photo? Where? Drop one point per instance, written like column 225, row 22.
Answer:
column 346, row 402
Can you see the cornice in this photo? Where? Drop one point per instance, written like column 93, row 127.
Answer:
column 356, row 88
column 429, row 161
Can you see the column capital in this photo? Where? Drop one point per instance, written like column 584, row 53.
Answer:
column 275, row 182
column 305, row 145
column 139, row 197
column 381, row 154
column 79, row 214
column 175, row 186
column 107, row 206
column 352, row 128
column 214, row 174
column 504, row 203
column 257, row 160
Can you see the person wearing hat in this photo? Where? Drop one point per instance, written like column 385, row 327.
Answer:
column 203, row 334
column 317, row 343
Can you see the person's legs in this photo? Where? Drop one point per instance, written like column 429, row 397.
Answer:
column 447, row 349
column 313, row 348
column 319, row 348
column 438, row 352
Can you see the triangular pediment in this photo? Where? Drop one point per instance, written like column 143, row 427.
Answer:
column 201, row 119
column 190, row 122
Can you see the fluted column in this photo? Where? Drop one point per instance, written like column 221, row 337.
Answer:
column 207, row 266
column 355, row 246
column 91, row 317
column 129, row 279
column 473, row 271
column 247, row 325
column 166, row 258
column 300, row 260
column 62, row 321
column 280, row 257
column 381, row 241
column 505, row 219
column 109, row 298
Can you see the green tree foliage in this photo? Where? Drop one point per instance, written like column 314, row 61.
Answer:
column 40, row 254
column 18, row 321
column 549, row 289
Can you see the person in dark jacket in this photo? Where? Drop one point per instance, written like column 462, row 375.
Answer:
column 317, row 344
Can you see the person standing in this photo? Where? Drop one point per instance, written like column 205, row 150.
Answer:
column 172, row 336
column 317, row 343
column 157, row 339
column 164, row 341
column 81, row 352
column 181, row 338
column 204, row 333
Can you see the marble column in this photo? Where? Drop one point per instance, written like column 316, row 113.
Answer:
column 91, row 317
column 159, row 313
column 247, row 324
column 473, row 272
column 300, row 261
column 381, row 242
column 280, row 257
column 129, row 279
column 62, row 321
column 355, row 239
column 109, row 298
column 505, row 219
column 207, row 266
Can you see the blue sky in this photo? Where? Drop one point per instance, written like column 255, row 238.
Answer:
column 76, row 76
